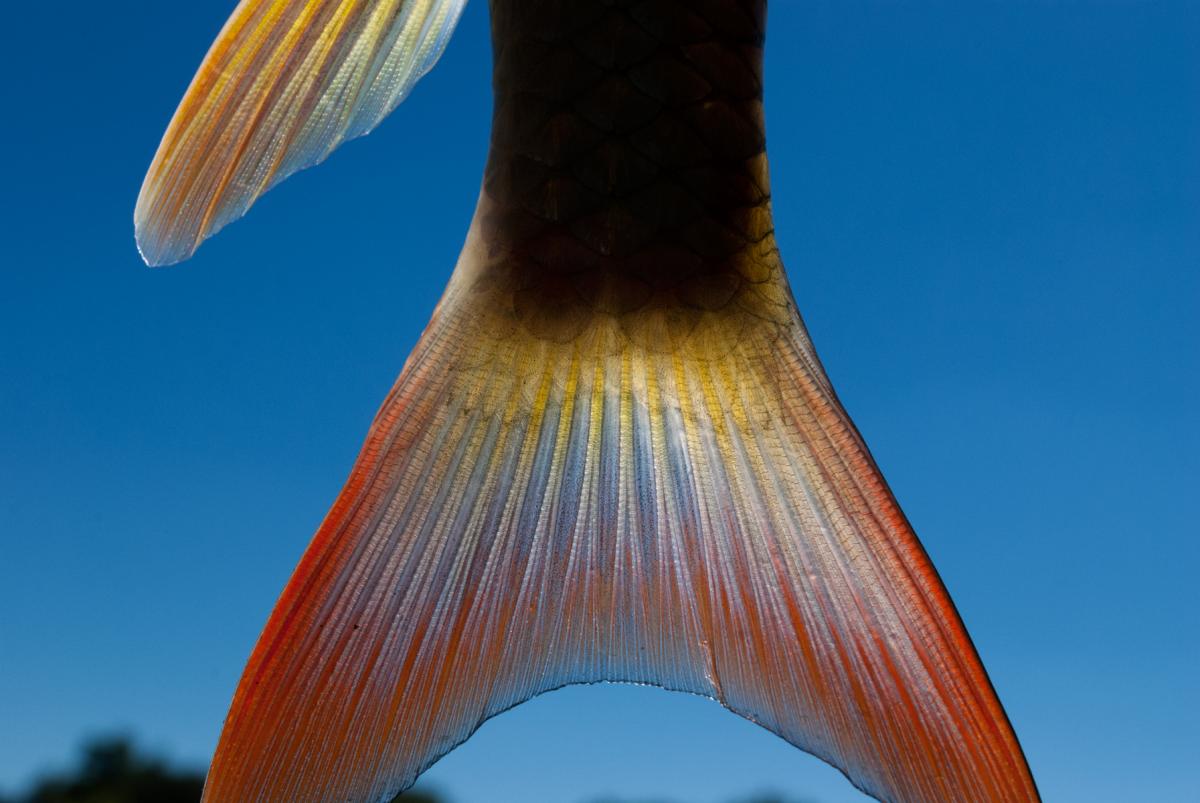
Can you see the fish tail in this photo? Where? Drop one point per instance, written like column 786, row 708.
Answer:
column 665, row 497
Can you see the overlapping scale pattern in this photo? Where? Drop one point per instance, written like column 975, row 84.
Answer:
column 285, row 83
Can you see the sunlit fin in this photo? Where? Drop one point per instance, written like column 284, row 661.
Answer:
column 286, row 82
column 691, row 511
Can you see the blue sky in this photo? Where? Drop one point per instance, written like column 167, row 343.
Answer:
column 991, row 217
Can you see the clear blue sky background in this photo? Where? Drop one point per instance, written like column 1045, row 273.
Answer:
column 991, row 216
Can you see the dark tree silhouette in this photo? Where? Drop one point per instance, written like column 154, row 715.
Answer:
column 112, row 770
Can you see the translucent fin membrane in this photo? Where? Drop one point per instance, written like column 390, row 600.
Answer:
column 700, row 515
column 286, row 82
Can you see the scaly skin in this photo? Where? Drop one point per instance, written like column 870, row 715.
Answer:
column 628, row 170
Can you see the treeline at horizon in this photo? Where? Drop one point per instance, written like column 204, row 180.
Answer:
column 112, row 769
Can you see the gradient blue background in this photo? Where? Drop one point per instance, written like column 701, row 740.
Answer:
column 991, row 216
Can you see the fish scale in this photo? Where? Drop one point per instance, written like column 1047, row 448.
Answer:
column 628, row 159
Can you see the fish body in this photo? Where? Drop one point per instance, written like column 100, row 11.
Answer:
column 613, row 455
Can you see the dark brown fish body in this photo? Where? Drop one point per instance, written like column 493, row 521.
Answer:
column 628, row 165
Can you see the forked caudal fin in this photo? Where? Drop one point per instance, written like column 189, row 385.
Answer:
column 680, row 505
